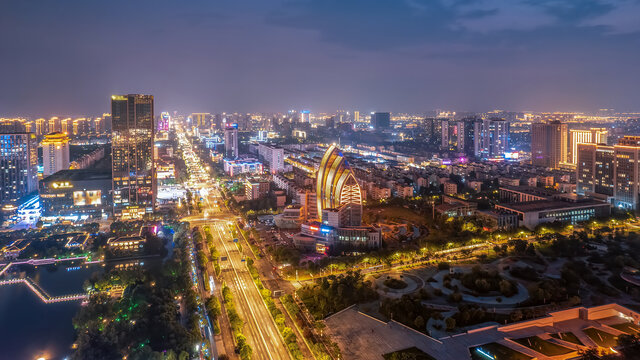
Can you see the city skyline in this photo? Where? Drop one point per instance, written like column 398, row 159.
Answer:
column 385, row 56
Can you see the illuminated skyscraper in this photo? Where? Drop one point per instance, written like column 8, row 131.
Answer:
column 231, row 141
column 549, row 144
column 610, row 172
column 133, row 168
column 305, row 116
column 55, row 153
column 200, row 120
column 41, row 127
column 18, row 165
column 64, row 126
column 338, row 190
column 163, row 122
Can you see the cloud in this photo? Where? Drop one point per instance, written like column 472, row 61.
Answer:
column 623, row 18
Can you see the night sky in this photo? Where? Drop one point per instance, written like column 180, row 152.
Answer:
column 67, row 57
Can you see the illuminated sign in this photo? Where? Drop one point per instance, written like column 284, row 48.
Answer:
column 511, row 155
column 62, row 185
column 325, row 230
column 314, row 228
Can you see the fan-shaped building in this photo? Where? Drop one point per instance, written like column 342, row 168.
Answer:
column 339, row 204
column 337, row 190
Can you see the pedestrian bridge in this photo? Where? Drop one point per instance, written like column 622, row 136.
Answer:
column 41, row 293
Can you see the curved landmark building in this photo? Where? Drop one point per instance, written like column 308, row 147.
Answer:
column 339, row 202
column 337, row 190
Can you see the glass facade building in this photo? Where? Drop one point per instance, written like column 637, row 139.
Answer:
column 133, row 168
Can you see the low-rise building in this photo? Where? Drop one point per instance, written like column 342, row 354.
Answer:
column 533, row 213
column 291, row 217
column 76, row 194
column 127, row 243
column 242, row 166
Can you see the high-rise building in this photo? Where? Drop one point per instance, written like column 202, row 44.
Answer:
column 133, row 166
column 272, row 156
column 231, row 141
column 338, row 190
column 449, row 135
column 381, row 120
column 41, row 127
column 55, row 153
column 549, row 144
column 64, row 126
column 595, row 169
column 164, row 122
column 200, row 120
column 305, row 116
column 593, row 135
column 610, row 172
column 433, row 131
column 470, row 135
column 493, row 138
column 356, row 116
column 18, row 165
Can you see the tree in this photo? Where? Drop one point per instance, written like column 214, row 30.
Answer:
column 419, row 322
column 516, row 315
column 590, row 354
column 450, row 323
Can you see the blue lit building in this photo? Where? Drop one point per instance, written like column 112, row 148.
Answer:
column 18, row 165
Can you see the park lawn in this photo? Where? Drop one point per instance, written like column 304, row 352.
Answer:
column 412, row 353
column 542, row 346
column 601, row 338
column 497, row 351
column 568, row 337
column 397, row 214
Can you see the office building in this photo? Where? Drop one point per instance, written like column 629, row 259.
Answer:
column 595, row 170
column 380, row 120
column 610, row 172
column 133, row 164
column 18, row 165
column 549, row 144
column 231, row 141
column 593, row 136
column 55, row 153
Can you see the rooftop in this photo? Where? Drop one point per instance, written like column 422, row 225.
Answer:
column 78, row 175
column 542, row 205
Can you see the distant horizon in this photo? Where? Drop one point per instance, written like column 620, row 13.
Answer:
column 331, row 112
column 264, row 56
